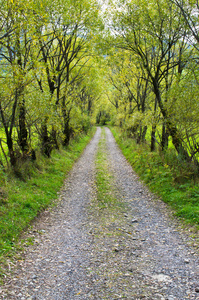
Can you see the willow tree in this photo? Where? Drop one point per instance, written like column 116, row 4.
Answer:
column 64, row 49
column 44, row 50
column 130, row 92
column 190, row 12
column 152, row 31
column 16, row 66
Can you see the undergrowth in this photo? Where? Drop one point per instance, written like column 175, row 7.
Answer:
column 167, row 175
column 23, row 197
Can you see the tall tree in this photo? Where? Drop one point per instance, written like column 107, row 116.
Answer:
column 15, row 48
column 64, row 51
column 152, row 30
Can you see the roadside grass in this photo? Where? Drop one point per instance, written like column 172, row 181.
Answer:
column 22, row 198
column 166, row 175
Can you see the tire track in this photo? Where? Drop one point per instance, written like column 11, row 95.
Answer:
column 129, row 249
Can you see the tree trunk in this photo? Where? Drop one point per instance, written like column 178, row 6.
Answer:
column 9, row 134
column 46, row 145
column 165, row 138
column 54, row 138
column 11, row 151
column 66, row 132
column 89, row 107
column 153, row 131
column 144, row 130
column 23, row 132
column 172, row 129
column 66, row 129
column 141, row 134
column 66, row 118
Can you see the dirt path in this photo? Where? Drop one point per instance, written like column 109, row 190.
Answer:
column 129, row 251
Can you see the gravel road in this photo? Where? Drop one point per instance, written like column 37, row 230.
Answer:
column 133, row 251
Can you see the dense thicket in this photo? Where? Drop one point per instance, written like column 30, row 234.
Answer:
column 48, row 83
column 153, row 73
column 52, row 82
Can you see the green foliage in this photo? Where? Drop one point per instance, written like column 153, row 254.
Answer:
column 153, row 73
column 102, row 117
column 184, row 109
column 46, row 60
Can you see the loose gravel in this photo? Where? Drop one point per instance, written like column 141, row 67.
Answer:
column 133, row 250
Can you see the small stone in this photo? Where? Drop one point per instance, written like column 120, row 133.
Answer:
column 130, row 270
column 20, row 295
column 159, row 296
column 171, row 298
column 134, row 221
column 197, row 289
column 162, row 278
column 186, row 261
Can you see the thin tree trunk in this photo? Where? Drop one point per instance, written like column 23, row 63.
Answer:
column 66, row 130
column 165, row 138
column 9, row 133
column 23, row 132
column 11, row 150
column 54, row 138
column 144, row 130
column 3, row 152
column 46, row 147
column 153, row 131
column 172, row 129
column 66, row 118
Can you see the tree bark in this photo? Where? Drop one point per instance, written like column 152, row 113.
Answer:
column 172, row 129
column 165, row 138
column 66, row 132
column 143, row 134
column 66, row 118
column 153, row 131
column 9, row 134
column 54, row 138
column 23, row 132
column 46, row 145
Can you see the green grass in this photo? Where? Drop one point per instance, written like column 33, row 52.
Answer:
column 21, row 199
column 166, row 175
column 108, row 206
column 104, row 178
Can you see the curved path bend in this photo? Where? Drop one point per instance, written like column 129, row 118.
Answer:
column 81, row 252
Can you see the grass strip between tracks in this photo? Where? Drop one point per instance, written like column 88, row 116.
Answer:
column 104, row 178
